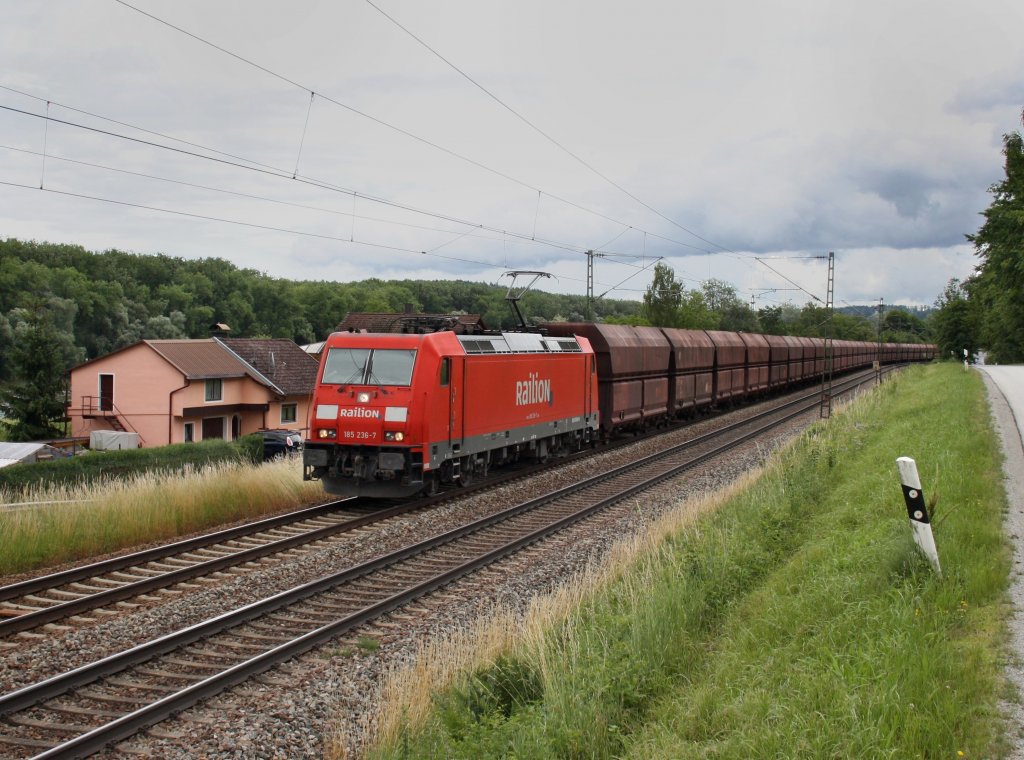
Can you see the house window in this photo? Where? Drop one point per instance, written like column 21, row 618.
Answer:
column 190, row 432
column 214, row 389
column 289, row 412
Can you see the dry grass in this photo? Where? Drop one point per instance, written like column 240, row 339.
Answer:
column 68, row 524
column 407, row 689
column 795, row 619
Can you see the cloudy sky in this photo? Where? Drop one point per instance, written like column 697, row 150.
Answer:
column 323, row 140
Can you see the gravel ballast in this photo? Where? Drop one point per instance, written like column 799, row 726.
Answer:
column 290, row 711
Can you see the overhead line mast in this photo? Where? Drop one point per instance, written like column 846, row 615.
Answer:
column 826, row 376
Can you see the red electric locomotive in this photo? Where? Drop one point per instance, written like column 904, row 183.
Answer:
column 396, row 414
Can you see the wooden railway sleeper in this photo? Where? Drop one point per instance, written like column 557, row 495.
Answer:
column 139, row 686
column 169, row 674
column 257, row 636
column 324, row 619
column 78, row 710
column 66, row 728
column 193, row 663
column 117, row 699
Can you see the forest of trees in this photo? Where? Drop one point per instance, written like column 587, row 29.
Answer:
column 61, row 305
column 987, row 310
column 104, row 301
column 716, row 305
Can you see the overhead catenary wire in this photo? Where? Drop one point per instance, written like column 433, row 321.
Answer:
column 540, row 131
column 305, row 127
column 254, row 225
column 46, row 134
column 322, row 184
column 252, row 196
column 354, row 193
column 395, row 128
column 559, row 145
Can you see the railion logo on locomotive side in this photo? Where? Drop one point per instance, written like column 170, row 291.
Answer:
column 533, row 391
column 359, row 411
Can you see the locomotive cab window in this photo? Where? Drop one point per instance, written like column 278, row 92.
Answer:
column 364, row 366
column 446, row 371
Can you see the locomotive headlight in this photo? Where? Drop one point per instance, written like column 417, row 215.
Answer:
column 325, row 433
column 363, row 398
column 393, row 436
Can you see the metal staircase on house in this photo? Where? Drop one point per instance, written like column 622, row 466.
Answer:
column 95, row 407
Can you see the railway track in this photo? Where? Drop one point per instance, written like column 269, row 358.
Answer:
column 97, row 589
column 82, row 711
column 45, row 599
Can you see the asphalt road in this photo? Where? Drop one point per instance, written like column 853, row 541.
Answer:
column 1005, row 386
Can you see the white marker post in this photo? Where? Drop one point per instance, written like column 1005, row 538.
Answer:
column 917, row 511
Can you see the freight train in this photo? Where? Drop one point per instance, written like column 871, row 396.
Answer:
column 394, row 415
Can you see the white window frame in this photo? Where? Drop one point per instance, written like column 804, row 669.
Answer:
column 209, row 386
column 294, row 407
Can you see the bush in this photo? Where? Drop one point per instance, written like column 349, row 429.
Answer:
column 115, row 465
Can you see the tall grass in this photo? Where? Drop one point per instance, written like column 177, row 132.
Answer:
column 795, row 620
column 91, row 520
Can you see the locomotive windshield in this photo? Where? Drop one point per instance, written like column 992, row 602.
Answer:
column 364, row 366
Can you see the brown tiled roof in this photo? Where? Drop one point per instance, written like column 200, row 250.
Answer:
column 279, row 360
column 199, row 359
column 277, row 363
column 388, row 322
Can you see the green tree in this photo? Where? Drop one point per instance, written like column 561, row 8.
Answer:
column 663, row 298
column 954, row 323
column 900, row 326
column 769, row 318
column 32, row 401
column 999, row 284
column 812, row 322
column 733, row 313
column 694, row 313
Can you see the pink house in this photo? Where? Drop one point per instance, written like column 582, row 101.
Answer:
column 174, row 391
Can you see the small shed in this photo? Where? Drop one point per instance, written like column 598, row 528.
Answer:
column 27, row 453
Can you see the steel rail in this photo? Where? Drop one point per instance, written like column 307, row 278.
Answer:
column 113, row 564
column 128, row 725
column 86, row 603
column 56, row 685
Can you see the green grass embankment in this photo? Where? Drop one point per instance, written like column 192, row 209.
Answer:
column 796, row 620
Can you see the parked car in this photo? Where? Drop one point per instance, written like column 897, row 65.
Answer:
column 278, row 443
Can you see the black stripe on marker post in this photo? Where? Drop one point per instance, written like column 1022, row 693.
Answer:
column 916, row 508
